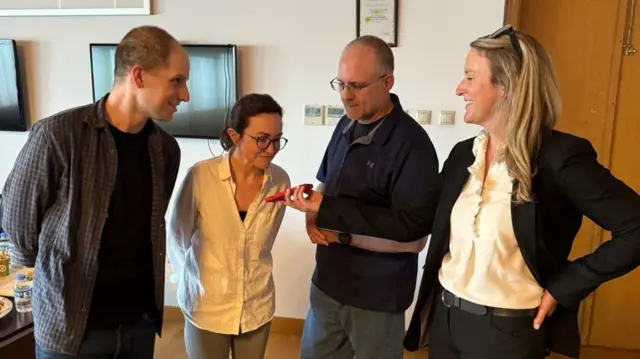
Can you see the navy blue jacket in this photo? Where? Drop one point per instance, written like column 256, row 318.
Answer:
column 384, row 185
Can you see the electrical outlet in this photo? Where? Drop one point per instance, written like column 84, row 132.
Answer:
column 424, row 117
column 313, row 115
column 334, row 114
column 447, row 117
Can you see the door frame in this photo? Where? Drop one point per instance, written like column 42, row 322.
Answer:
column 512, row 11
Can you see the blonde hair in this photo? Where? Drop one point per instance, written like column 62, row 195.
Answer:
column 530, row 103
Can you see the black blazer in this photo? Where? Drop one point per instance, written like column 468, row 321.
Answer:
column 569, row 183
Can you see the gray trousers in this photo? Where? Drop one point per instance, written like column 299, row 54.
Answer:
column 333, row 330
column 202, row 344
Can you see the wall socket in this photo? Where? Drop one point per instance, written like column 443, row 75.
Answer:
column 447, row 117
column 424, row 117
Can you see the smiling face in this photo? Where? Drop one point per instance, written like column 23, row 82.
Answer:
column 161, row 90
column 479, row 93
column 251, row 144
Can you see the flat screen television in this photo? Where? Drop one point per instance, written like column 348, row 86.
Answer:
column 12, row 117
column 212, row 84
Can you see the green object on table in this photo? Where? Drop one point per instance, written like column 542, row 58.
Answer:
column 4, row 266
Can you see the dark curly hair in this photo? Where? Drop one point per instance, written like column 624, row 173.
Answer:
column 246, row 107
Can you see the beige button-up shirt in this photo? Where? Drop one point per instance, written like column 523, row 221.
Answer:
column 223, row 265
column 484, row 264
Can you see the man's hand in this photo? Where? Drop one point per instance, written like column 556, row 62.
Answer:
column 330, row 237
column 546, row 309
column 317, row 236
column 314, row 233
column 295, row 198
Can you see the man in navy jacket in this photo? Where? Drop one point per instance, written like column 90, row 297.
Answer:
column 379, row 180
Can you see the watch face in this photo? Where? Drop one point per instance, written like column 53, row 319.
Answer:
column 344, row 238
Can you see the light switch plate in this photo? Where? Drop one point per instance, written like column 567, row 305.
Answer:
column 447, row 117
column 334, row 114
column 424, row 117
column 313, row 115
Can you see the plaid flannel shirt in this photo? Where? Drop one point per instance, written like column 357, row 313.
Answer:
column 56, row 200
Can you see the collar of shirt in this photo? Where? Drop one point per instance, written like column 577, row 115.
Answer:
column 224, row 170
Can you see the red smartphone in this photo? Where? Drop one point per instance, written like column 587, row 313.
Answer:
column 278, row 197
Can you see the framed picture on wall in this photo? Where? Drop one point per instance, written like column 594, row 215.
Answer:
column 74, row 7
column 378, row 18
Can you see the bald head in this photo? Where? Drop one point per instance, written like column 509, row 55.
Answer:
column 380, row 50
column 365, row 77
column 146, row 46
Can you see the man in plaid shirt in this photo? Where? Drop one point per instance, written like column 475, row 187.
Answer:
column 85, row 204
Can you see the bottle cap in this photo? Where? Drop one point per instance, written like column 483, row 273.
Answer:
column 21, row 276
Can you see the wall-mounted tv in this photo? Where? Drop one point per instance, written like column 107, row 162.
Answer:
column 12, row 117
column 212, row 84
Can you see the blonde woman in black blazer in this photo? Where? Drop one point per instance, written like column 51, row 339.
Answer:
column 497, row 283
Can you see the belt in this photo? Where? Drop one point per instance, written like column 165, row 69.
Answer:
column 450, row 300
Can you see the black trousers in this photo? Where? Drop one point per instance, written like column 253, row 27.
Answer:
column 456, row 334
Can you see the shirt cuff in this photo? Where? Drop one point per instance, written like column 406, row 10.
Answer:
column 23, row 259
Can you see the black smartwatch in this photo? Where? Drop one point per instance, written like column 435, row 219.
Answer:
column 344, row 238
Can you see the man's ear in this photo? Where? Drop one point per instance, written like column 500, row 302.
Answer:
column 136, row 74
column 389, row 81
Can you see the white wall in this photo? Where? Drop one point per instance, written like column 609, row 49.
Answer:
column 288, row 48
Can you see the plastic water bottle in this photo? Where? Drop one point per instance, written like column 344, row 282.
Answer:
column 22, row 290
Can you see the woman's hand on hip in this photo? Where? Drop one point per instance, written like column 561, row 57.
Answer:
column 547, row 307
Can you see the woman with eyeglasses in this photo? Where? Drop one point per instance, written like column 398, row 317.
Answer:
column 221, row 232
column 497, row 282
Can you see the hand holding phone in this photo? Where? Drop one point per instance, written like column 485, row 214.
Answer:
column 279, row 197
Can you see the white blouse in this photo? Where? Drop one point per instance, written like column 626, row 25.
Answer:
column 223, row 265
column 484, row 264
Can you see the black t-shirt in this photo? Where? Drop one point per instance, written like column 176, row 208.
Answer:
column 124, row 287
column 360, row 129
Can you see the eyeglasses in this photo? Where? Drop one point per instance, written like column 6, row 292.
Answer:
column 353, row 87
column 507, row 30
column 263, row 142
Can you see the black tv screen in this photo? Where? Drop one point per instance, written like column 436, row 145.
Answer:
column 212, row 84
column 12, row 116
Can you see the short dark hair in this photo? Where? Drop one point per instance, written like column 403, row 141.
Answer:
column 381, row 48
column 145, row 46
column 246, row 107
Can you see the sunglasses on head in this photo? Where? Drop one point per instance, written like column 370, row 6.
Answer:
column 507, row 30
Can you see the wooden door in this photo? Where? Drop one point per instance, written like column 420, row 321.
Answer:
column 585, row 40
column 615, row 321
column 583, row 58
